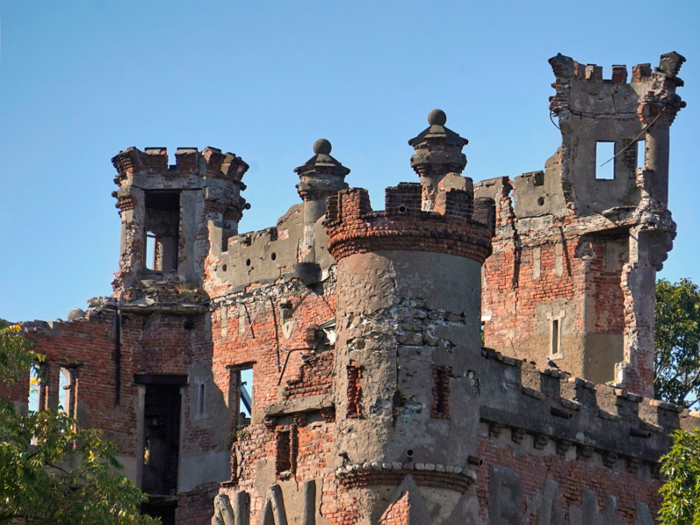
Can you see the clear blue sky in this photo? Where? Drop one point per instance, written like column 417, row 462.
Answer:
column 82, row 80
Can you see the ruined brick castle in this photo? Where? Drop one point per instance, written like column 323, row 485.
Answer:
column 472, row 354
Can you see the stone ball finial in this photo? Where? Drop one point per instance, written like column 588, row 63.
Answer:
column 322, row 146
column 437, row 117
column 75, row 314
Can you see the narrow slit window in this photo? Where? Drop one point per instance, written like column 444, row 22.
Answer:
column 201, row 394
column 441, row 392
column 354, row 391
column 555, row 336
column 605, row 160
column 641, row 153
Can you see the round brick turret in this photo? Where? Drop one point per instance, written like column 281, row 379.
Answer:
column 408, row 335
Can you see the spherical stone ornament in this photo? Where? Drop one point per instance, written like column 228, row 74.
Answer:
column 437, row 117
column 322, row 146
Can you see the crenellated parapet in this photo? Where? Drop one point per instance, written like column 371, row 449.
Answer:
column 553, row 407
column 154, row 161
column 634, row 116
column 353, row 227
column 650, row 92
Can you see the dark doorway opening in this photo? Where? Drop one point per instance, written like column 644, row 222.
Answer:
column 161, row 440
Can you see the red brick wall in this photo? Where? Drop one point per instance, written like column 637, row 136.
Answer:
column 509, row 283
column 398, row 513
column 91, row 344
column 572, row 475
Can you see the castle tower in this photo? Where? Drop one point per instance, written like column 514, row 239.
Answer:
column 165, row 210
column 578, row 247
column 408, row 296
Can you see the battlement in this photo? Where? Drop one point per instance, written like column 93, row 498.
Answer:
column 651, row 91
column 210, row 162
column 669, row 66
column 353, row 227
column 554, row 405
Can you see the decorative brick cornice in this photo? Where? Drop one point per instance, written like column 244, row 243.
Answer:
column 392, row 474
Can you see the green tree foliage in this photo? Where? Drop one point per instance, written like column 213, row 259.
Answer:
column 52, row 472
column 677, row 340
column 681, row 490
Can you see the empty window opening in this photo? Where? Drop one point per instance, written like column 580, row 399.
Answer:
column 441, row 392
column 42, row 383
column 63, row 390
column 67, row 389
column 162, row 231
column 555, row 337
column 161, row 449
column 285, row 452
column 605, row 160
column 240, row 397
column 150, row 258
column 354, row 391
column 641, row 153
column 35, row 389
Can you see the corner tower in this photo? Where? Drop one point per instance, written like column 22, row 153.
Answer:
column 577, row 249
column 408, row 296
column 165, row 210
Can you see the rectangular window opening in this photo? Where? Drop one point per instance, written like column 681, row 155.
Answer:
column 36, row 389
column 555, row 336
column 284, row 463
column 64, row 391
column 162, row 225
column 354, row 391
column 67, row 390
column 605, row 160
column 441, row 392
column 641, row 153
column 161, row 449
column 240, row 398
column 150, row 258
